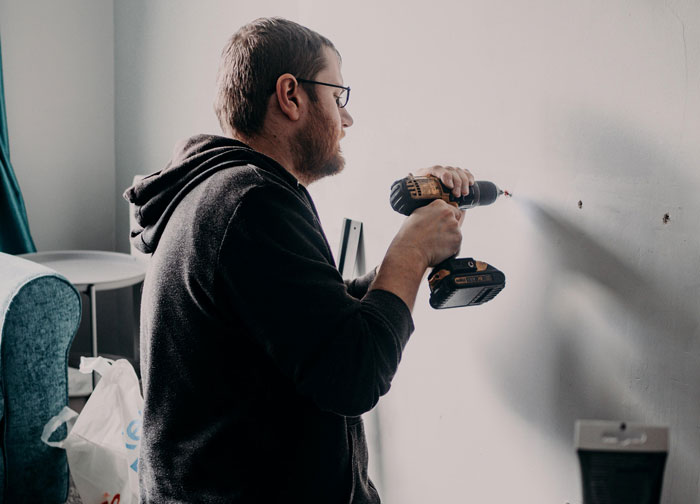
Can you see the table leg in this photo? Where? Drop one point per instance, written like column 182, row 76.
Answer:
column 93, row 326
column 136, row 323
column 93, row 318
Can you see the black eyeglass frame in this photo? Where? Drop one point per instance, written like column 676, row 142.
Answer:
column 346, row 88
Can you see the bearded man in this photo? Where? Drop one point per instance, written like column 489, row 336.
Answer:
column 257, row 358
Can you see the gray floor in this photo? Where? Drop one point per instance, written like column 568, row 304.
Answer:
column 76, row 403
column 73, row 497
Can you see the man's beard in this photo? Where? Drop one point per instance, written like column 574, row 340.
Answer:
column 316, row 150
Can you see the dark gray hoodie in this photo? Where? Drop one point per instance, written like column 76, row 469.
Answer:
column 257, row 359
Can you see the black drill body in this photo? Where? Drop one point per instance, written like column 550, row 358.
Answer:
column 412, row 192
column 454, row 282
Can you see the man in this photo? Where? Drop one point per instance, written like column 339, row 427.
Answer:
column 257, row 359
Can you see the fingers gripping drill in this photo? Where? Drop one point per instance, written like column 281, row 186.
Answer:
column 455, row 281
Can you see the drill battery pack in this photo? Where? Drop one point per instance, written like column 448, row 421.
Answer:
column 464, row 282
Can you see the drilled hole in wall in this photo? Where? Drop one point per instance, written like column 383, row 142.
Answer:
column 580, row 204
column 666, row 218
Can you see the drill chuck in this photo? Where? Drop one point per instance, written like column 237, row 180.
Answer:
column 412, row 192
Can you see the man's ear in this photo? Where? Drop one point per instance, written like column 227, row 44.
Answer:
column 290, row 97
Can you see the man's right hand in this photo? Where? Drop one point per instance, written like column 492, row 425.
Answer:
column 433, row 231
column 428, row 236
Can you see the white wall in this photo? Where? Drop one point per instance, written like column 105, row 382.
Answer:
column 58, row 66
column 557, row 100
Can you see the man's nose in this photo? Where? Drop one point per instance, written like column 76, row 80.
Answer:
column 346, row 117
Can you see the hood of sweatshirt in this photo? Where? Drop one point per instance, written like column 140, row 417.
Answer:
column 156, row 196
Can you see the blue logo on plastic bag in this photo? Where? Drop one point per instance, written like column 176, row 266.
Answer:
column 132, row 439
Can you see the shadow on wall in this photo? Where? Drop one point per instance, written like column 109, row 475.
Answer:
column 620, row 351
column 643, row 298
column 618, row 342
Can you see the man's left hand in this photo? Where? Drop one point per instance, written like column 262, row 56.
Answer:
column 457, row 179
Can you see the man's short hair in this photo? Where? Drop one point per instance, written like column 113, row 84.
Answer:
column 252, row 60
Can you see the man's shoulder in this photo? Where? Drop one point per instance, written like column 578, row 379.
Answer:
column 235, row 183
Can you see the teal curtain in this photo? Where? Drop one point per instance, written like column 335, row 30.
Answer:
column 14, row 227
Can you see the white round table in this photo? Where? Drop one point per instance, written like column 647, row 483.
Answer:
column 91, row 271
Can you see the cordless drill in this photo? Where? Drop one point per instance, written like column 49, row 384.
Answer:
column 455, row 281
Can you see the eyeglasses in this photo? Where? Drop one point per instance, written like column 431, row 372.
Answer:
column 341, row 99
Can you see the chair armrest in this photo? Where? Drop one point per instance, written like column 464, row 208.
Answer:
column 40, row 314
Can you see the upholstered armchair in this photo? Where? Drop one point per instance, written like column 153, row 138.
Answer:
column 39, row 315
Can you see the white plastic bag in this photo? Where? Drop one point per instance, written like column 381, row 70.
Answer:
column 104, row 443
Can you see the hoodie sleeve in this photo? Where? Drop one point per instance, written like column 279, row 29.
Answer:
column 340, row 351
